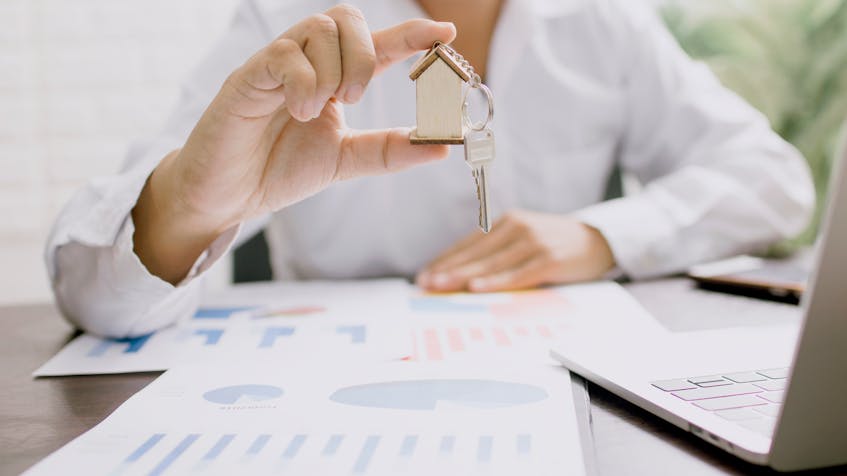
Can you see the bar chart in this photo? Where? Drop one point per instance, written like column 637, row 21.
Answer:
column 437, row 343
column 340, row 453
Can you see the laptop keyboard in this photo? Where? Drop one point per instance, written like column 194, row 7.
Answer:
column 751, row 399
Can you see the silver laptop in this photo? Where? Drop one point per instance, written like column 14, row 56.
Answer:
column 774, row 395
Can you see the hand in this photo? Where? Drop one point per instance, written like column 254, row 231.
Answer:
column 275, row 134
column 523, row 250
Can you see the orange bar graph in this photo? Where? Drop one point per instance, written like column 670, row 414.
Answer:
column 432, row 344
column 501, row 338
column 454, row 340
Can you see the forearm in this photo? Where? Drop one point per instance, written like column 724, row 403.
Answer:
column 169, row 237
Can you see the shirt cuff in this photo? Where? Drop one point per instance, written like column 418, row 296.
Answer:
column 632, row 226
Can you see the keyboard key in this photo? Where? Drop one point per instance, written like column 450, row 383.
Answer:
column 771, row 409
column 771, row 384
column 775, row 373
column 738, row 414
column 706, row 379
column 716, row 383
column 744, row 377
column 672, row 385
column 714, row 392
column 775, row 397
column 764, row 426
column 723, row 403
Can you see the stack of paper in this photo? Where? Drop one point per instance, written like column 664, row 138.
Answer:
column 341, row 378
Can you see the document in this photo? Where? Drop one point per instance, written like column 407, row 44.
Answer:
column 522, row 324
column 486, row 417
column 376, row 321
column 279, row 321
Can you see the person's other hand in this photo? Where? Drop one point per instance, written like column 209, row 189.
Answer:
column 275, row 134
column 523, row 250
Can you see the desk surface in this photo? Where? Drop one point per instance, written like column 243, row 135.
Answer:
column 39, row 416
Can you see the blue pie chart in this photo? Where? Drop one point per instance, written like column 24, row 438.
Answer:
column 426, row 394
column 243, row 394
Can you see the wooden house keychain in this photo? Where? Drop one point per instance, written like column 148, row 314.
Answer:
column 443, row 118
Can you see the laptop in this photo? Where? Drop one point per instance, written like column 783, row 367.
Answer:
column 771, row 395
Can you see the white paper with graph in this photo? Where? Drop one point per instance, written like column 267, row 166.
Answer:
column 370, row 320
column 285, row 322
column 397, row 418
column 521, row 324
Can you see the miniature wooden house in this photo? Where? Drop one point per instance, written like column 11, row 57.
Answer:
column 438, row 81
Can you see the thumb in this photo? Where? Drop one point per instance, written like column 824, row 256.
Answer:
column 402, row 41
column 376, row 152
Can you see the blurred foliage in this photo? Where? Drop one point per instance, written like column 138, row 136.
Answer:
column 788, row 58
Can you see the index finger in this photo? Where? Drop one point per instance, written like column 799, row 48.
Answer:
column 402, row 41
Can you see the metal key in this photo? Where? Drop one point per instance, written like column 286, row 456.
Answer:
column 479, row 153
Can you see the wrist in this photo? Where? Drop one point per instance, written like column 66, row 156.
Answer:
column 599, row 249
column 169, row 237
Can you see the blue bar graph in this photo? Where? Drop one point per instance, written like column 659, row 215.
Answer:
column 294, row 447
column 332, row 445
column 524, row 444
column 144, row 448
column 133, row 345
column 219, row 447
column 213, row 336
column 368, row 450
column 447, row 443
column 357, row 333
column 219, row 312
column 258, row 444
column 407, row 448
column 483, row 451
column 271, row 334
column 174, row 454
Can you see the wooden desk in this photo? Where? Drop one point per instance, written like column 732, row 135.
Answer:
column 39, row 416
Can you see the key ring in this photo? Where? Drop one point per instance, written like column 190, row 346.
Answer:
column 466, row 118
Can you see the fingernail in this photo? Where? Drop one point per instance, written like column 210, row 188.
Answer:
column 440, row 280
column 354, row 93
column 317, row 109
column 306, row 112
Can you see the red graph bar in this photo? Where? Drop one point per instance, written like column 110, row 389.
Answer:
column 500, row 337
column 454, row 340
column 433, row 346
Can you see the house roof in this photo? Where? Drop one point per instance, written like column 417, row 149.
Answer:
column 439, row 50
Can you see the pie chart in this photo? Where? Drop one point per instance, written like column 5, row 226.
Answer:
column 243, row 394
column 428, row 394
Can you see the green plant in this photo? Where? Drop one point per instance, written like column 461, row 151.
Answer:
column 788, row 58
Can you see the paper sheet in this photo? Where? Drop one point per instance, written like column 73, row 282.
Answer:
column 375, row 321
column 487, row 418
column 286, row 322
column 522, row 324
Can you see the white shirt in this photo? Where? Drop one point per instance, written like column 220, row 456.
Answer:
column 579, row 86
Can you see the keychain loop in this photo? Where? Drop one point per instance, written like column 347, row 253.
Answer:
column 466, row 118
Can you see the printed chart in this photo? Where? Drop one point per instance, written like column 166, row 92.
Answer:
column 287, row 320
column 523, row 325
column 436, row 343
column 410, row 418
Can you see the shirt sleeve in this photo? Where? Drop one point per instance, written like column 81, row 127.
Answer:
column 99, row 283
column 718, row 181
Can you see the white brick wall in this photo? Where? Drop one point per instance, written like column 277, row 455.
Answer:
column 79, row 80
